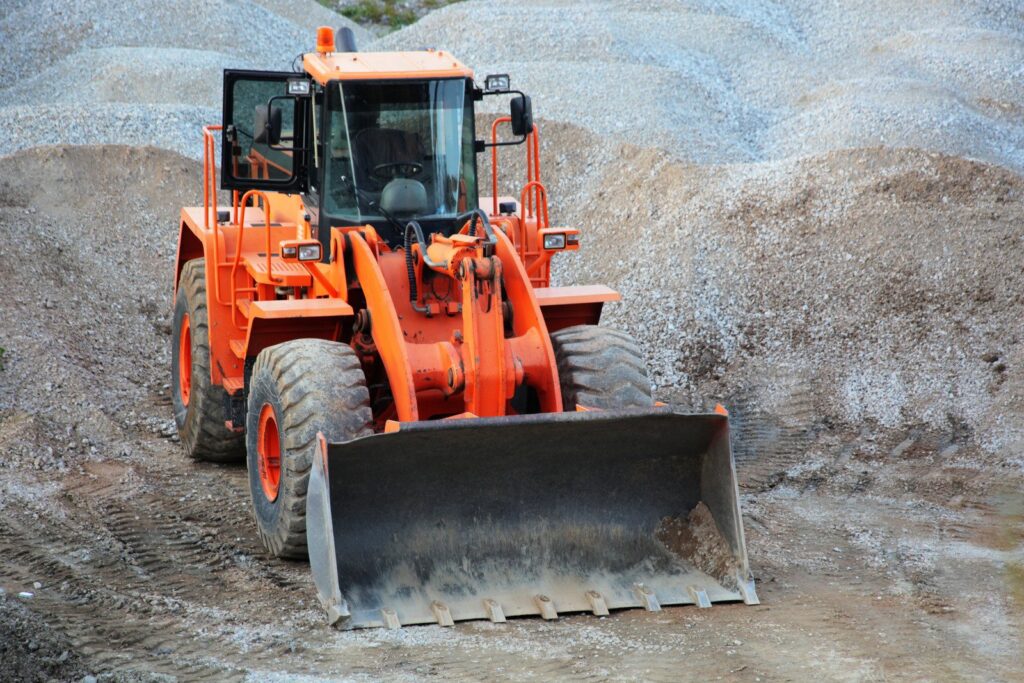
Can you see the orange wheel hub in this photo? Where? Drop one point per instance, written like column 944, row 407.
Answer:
column 268, row 444
column 185, row 361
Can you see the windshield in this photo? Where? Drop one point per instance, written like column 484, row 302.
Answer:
column 404, row 146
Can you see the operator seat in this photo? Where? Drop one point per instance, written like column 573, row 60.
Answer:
column 375, row 146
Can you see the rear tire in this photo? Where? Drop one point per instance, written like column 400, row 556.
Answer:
column 600, row 368
column 198, row 403
column 297, row 389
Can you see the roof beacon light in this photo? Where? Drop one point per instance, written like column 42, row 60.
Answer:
column 324, row 39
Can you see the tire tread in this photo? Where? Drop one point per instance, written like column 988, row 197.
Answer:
column 320, row 387
column 600, row 367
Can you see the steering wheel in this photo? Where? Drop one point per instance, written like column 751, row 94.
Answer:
column 394, row 169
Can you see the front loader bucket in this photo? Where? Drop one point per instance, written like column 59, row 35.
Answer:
column 490, row 518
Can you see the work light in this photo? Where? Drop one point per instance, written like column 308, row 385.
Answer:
column 554, row 241
column 298, row 87
column 497, row 83
column 309, row 252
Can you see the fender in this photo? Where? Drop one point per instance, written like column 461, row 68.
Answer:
column 189, row 247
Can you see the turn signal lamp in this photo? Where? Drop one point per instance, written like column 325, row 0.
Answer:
column 325, row 40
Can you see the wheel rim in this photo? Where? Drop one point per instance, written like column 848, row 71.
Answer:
column 185, row 361
column 268, row 445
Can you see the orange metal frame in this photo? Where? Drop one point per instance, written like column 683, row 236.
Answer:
column 533, row 207
column 477, row 334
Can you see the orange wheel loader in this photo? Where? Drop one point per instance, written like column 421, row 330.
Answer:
column 443, row 434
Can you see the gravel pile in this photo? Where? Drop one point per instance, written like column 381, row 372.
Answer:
column 817, row 246
column 38, row 34
column 860, row 287
column 132, row 75
column 711, row 82
column 170, row 126
column 30, row 649
column 720, row 82
column 161, row 60
column 764, row 98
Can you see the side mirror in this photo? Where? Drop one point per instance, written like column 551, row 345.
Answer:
column 521, row 111
column 266, row 126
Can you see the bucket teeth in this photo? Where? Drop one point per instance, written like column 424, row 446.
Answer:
column 494, row 611
column 336, row 614
column 597, row 604
column 390, row 618
column 699, row 596
column 746, row 588
column 442, row 613
column 545, row 607
column 647, row 598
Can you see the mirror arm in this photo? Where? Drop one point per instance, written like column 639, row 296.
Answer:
column 510, row 143
column 489, row 93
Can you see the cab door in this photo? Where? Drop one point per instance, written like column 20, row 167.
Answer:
column 264, row 142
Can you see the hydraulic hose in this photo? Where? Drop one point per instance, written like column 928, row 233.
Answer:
column 410, row 267
column 476, row 217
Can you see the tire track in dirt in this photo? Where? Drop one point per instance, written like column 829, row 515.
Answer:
column 137, row 575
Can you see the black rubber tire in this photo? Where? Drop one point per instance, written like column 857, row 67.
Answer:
column 600, row 368
column 200, row 424
column 313, row 386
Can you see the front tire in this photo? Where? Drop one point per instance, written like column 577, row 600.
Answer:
column 600, row 368
column 198, row 403
column 298, row 389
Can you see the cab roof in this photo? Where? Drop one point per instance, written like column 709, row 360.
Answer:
column 384, row 65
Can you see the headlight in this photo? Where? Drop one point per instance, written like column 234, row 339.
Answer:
column 288, row 252
column 554, row 241
column 309, row 252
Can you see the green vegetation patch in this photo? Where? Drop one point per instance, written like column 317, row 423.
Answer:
column 393, row 14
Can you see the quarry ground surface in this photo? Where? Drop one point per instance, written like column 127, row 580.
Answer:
column 847, row 284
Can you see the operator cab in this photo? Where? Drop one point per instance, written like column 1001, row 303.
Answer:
column 398, row 151
column 366, row 138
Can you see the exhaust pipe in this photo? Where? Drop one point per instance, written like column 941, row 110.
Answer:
column 346, row 40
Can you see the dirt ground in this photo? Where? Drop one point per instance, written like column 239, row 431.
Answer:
column 882, row 550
